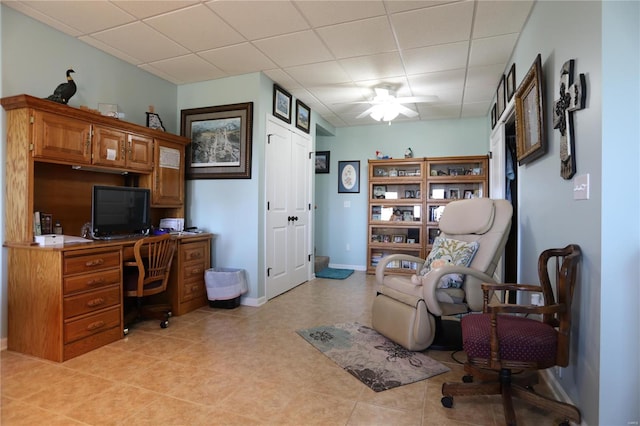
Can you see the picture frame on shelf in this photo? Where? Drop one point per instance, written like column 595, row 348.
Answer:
column 511, row 82
column 323, row 161
column 206, row 127
column 454, row 193
column 379, row 191
column 303, row 116
column 531, row 142
column 409, row 193
column 468, row 193
column 282, row 103
column 349, row 176
column 411, row 240
column 399, row 239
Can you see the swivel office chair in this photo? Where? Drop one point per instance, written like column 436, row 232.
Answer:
column 409, row 309
column 500, row 341
column 148, row 275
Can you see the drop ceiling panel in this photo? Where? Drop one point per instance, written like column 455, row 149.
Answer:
column 188, row 69
column 238, row 59
column 294, row 49
column 365, row 37
column 436, row 58
column 142, row 42
column 316, row 74
column 323, row 13
column 371, row 67
column 145, row 8
column 260, row 19
column 500, row 17
column 85, row 16
column 205, row 30
column 492, row 50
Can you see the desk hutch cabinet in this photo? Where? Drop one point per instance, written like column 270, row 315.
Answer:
column 66, row 300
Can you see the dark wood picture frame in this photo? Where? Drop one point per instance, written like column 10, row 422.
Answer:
column 349, row 176
column 494, row 118
column 530, row 117
column 303, row 116
column 282, row 104
column 323, row 159
column 221, row 141
column 511, row 82
column 500, row 99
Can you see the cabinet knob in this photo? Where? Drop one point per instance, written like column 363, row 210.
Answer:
column 95, row 302
column 95, row 325
column 96, row 281
column 95, row 262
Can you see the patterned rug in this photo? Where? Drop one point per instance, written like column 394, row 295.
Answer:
column 372, row 358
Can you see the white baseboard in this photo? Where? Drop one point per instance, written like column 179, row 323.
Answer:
column 556, row 390
column 342, row 266
column 252, row 301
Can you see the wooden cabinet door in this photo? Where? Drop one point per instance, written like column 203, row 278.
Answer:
column 168, row 174
column 109, row 147
column 139, row 152
column 61, row 138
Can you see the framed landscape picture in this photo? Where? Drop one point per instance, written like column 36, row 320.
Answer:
column 220, row 141
column 303, row 116
column 282, row 103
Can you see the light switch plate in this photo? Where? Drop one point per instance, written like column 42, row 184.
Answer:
column 581, row 187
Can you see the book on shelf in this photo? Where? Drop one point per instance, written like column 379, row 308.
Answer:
column 37, row 225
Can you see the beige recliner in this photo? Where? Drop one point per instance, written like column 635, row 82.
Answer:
column 408, row 309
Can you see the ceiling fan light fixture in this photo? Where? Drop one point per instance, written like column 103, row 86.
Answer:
column 385, row 112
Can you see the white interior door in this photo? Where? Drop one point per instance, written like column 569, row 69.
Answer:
column 288, row 208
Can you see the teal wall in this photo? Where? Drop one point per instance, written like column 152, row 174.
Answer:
column 341, row 231
column 603, row 378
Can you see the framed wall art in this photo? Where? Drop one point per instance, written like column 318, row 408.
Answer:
column 303, row 116
column 221, row 141
column 500, row 99
column 281, row 103
column 530, row 118
column 511, row 82
column 348, row 176
column 322, row 161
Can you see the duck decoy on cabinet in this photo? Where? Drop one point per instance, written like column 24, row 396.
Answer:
column 64, row 91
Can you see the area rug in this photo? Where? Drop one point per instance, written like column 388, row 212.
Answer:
column 334, row 274
column 372, row 358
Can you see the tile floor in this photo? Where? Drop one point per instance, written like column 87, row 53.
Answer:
column 244, row 366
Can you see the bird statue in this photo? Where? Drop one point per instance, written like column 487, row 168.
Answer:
column 64, row 91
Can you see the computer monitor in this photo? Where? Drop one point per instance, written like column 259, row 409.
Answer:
column 120, row 211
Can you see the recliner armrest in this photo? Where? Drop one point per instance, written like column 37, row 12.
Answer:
column 382, row 264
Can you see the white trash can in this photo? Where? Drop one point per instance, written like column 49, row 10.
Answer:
column 225, row 286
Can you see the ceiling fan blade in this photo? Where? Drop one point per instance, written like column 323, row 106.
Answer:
column 408, row 112
column 416, row 99
column 365, row 113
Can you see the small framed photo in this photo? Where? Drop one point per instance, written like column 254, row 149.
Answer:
column 349, row 176
column 154, row 121
column 409, row 193
column 282, row 104
column 468, row 193
column 322, row 161
column 402, row 173
column 454, row 193
column 500, row 98
column 494, row 118
column 386, row 238
column 411, row 240
column 399, row 238
column 511, row 82
column 303, row 116
column 379, row 191
column 407, row 216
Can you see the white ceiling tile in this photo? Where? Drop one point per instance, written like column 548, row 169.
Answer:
column 110, row 50
column 485, row 76
column 206, row 30
column 436, row 58
column 479, row 93
column 435, row 25
column 316, row 74
column 150, row 69
column 42, row 17
column 339, row 94
column 322, row 13
column 282, row 78
column 395, row 6
column 238, row 59
column 260, row 19
column 399, row 84
column 141, row 41
column 142, row 9
column 363, row 37
column 453, row 79
column 374, row 66
column 189, row 69
column 85, row 16
column 500, row 17
column 492, row 50
column 294, row 49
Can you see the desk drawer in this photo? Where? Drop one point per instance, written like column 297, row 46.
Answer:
column 90, row 302
column 91, row 262
column 192, row 289
column 193, row 270
column 92, row 324
column 91, row 281
column 193, row 251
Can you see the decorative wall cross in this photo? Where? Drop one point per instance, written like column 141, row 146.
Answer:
column 572, row 98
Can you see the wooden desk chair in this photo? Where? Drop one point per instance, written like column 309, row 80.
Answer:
column 497, row 342
column 148, row 275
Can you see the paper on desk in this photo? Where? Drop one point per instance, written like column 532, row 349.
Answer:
column 74, row 239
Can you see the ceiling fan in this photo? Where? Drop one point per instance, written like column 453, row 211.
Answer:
column 385, row 106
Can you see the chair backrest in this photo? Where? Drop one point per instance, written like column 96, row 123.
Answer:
column 153, row 258
column 558, row 289
column 486, row 221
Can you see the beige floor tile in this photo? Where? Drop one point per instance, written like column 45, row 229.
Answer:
column 373, row 415
column 18, row 413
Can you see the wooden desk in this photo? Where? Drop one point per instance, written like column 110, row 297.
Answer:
column 66, row 300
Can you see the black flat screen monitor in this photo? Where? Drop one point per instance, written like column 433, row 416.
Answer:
column 120, row 211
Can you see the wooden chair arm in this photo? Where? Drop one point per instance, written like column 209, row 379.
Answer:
column 505, row 308
column 510, row 286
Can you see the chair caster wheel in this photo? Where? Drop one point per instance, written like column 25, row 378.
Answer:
column 169, row 314
column 447, row 401
column 467, row 379
column 125, row 331
column 164, row 324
